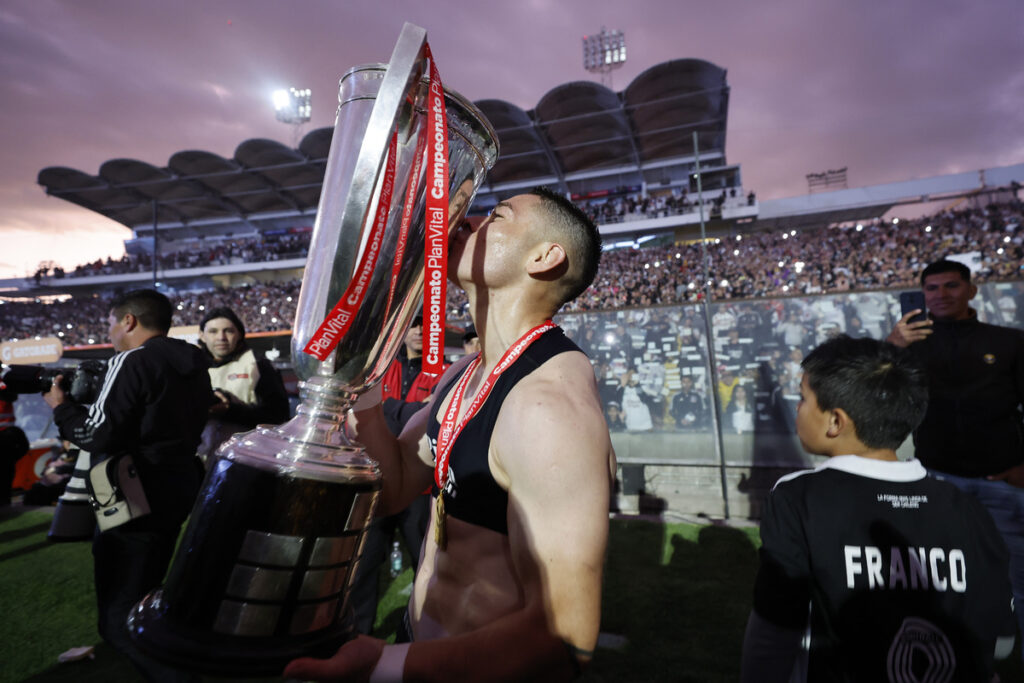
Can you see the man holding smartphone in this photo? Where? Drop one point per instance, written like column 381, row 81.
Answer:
column 973, row 432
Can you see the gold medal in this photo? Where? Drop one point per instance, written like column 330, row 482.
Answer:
column 440, row 525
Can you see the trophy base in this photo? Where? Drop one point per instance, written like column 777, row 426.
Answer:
column 224, row 655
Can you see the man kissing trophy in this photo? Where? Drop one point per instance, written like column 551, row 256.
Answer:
column 263, row 572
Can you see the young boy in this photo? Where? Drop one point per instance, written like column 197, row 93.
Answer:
column 896, row 576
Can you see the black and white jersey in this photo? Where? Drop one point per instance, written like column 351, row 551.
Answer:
column 905, row 577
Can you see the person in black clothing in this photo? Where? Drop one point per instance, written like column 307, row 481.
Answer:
column 248, row 388
column 613, row 416
column 871, row 568
column 688, row 407
column 152, row 405
column 973, row 432
column 509, row 581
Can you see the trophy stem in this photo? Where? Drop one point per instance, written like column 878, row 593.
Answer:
column 320, row 417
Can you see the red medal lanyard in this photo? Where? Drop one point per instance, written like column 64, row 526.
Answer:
column 449, row 431
column 337, row 323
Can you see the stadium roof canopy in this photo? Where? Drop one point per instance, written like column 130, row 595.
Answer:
column 583, row 125
column 262, row 177
column 575, row 127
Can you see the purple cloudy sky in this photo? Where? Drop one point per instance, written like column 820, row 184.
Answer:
column 891, row 89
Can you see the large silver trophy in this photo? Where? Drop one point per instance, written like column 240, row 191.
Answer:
column 264, row 570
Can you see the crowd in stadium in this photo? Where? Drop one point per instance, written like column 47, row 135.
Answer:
column 263, row 307
column 83, row 321
column 876, row 255
column 197, row 254
column 637, row 206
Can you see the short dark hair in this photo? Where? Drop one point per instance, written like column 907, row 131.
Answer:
column 946, row 266
column 582, row 241
column 880, row 386
column 223, row 312
column 151, row 308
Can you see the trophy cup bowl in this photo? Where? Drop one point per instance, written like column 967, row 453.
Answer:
column 263, row 572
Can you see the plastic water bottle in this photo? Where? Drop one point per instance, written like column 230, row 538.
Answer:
column 396, row 560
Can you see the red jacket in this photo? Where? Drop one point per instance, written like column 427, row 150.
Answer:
column 7, row 414
column 418, row 392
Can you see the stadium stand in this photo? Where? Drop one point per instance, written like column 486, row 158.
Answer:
column 872, row 256
column 784, row 274
column 249, row 250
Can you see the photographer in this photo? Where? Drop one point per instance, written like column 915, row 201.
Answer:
column 152, row 406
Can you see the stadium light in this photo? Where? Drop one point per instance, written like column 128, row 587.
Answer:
column 281, row 100
column 603, row 52
column 293, row 105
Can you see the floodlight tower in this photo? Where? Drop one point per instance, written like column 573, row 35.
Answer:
column 294, row 107
column 603, row 52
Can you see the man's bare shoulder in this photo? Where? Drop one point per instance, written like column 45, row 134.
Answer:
column 564, row 383
column 553, row 410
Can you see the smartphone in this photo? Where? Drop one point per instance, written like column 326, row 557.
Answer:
column 910, row 301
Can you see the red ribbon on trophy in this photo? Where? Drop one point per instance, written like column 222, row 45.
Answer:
column 337, row 323
column 436, row 258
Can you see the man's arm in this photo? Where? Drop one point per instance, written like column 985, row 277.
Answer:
column 554, row 453
column 769, row 651
column 906, row 333
column 782, row 595
column 486, row 655
column 398, row 413
column 271, row 405
column 406, row 462
column 101, row 427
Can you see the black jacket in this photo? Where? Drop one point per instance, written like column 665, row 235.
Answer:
column 974, row 425
column 153, row 404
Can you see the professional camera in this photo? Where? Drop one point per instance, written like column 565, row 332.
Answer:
column 82, row 384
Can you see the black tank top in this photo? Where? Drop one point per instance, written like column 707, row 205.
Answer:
column 471, row 494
